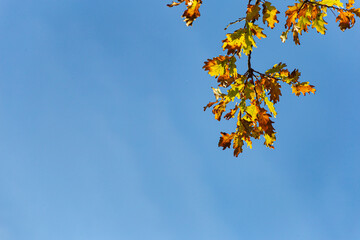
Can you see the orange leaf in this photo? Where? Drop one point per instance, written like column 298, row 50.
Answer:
column 346, row 20
column 231, row 114
column 350, row 4
column 225, row 140
column 192, row 11
column 209, row 105
column 264, row 121
column 219, row 109
column 238, row 143
column 303, row 88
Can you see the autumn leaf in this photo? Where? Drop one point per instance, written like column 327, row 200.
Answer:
column 319, row 23
column 296, row 36
column 264, row 121
column 269, row 14
column 356, row 11
column 252, row 110
column 269, row 140
column 210, row 105
column 175, row 3
column 273, row 87
column 192, row 10
column 238, row 144
column 232, row 113
column 252, row 12
column 225, row 140
column 220, row 66
column 219, row 109
column 284, row 35
column 303, row 88
column 331, row 3
column 270, row 105
column 346, row 20
column 350, row 4
column 292, row 15
column 242, row 40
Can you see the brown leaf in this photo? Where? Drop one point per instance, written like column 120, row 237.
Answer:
column 296, row 37
column 175, row 3
column 356, row 11
column 238, row 143
column 225, row 140
column 346, row 20
column 219, row 109
column 264, row 121
column 209, row 105
column 252, row 12
column 192, row 11
column 292, row 15
column 231, row 114
column 275, row 91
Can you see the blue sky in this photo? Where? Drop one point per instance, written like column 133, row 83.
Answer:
column 103, row 134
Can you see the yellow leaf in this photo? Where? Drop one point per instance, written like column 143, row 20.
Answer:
column 269, row 14
column 242, row 40
column 270, row 106
column 331, row 3
column 222, row 65
column 269, row 140
column 319, row 23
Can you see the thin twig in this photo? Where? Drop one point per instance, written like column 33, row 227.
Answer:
column 239, row 20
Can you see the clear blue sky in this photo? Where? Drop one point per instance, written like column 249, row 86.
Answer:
column 103, row 134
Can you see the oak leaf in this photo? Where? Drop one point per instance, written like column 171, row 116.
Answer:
column 252, row 12
column 210, row 105
column 331, row 3
column 356, row 11
column 192, row 11
column 303, row 88
column 225, row 140
column 346, row 20
column 264, row 121
column 221, row 66
column 269, row 14
column 232, row 113
column 350, row 4
column 219, row 109
column 269, row 140
column 319, row 23
column 237, row 145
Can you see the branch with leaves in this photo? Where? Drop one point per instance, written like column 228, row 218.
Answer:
column 253, row 93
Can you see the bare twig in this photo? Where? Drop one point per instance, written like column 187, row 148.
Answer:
column 239, row 20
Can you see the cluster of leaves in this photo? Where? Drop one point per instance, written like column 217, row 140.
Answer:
column 253, row 94
column 192, row 10
column 311, row 13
